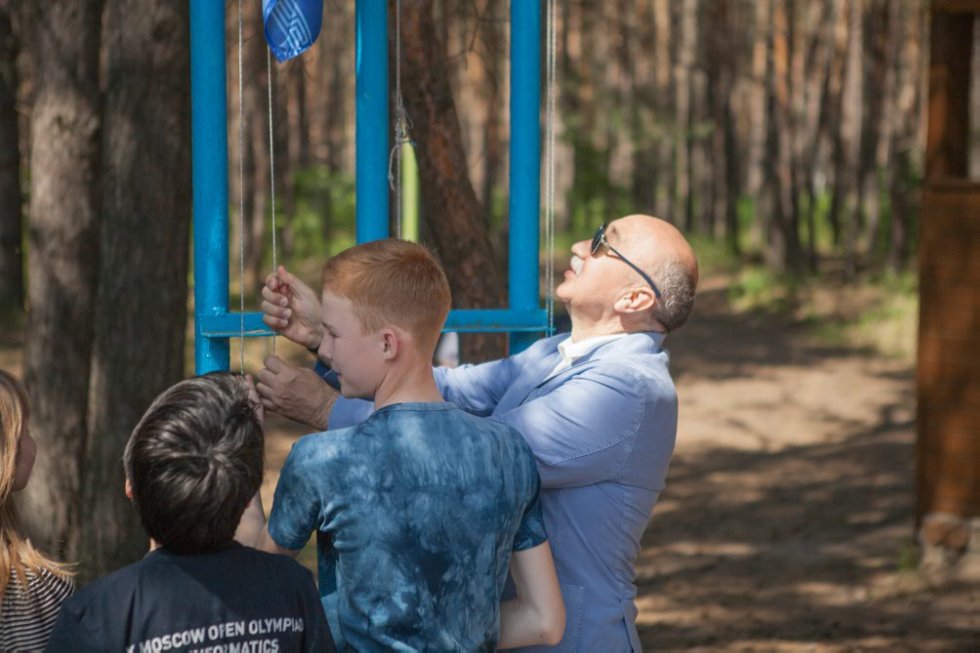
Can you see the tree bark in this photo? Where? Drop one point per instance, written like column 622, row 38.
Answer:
column 141, row 300
column 448, row 199
column 721, row 66
column 852, row 106
column 906, row 137
column 682, row 116
column 664, row 91
column 257, row 146
column 11, row 232
column 62, row 41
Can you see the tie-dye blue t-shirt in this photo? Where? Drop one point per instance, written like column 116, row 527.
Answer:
column 417, row 510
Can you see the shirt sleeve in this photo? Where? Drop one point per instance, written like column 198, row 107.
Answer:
column 477, row 388
column 70, row 634
column 296, row 505
column 583, row 431
column 349, row 412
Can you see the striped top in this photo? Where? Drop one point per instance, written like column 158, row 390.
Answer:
column 26, row 617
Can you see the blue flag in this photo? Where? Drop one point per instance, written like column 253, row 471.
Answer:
column 291, row 26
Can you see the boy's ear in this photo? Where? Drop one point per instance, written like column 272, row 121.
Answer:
column 128, row 490
column 390, row 343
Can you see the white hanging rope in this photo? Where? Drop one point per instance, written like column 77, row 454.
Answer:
column 402, row 127
column 241, row 197
column 272, row 174
column 272, row 158
column 549, row 197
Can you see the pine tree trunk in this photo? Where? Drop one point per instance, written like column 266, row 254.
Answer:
column 62, row 41
column 11, row 233
column 141, row 302
column 448, row 198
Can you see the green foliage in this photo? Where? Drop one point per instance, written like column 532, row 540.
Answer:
column 714, row 255
column 594, row 198
column 324, row 223
column 879, row 313
column 760, row 288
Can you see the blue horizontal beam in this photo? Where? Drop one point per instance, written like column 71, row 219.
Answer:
column 462, row 320
column 495, row 320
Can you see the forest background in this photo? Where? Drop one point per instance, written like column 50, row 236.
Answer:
column 784, row 136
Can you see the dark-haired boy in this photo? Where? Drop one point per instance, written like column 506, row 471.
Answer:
column 192, row 464
column 419, row 509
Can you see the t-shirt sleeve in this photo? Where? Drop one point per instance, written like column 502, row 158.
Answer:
column 531, row 531
column 70, row 633
column 296, row 506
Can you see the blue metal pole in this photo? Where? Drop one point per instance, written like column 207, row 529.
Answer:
column 525, row 161
column 210, row 176
column 372, row 119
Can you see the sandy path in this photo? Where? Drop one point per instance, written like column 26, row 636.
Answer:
column 788, row 513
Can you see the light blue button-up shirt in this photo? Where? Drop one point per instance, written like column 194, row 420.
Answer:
column 602, row 432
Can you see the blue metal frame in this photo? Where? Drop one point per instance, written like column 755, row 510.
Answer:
column 209, row 136
column 524, row 319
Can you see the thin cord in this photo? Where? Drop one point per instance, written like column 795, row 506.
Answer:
column 272, row 172
column 398, row 118
column 403, row 125
column 241, row 196
column 550, row 162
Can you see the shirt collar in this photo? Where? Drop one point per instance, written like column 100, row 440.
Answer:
column 572, row 351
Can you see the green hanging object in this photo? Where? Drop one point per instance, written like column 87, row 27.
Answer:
column 410, row 192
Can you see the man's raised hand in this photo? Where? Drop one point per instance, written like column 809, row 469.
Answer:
column 292, row 308
column 295, row 392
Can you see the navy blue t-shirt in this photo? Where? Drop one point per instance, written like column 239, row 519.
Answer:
column 417, row 510
column 234, row 600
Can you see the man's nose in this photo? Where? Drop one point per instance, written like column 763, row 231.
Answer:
column 581, row 248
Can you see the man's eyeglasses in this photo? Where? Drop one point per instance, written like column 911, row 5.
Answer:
column 599, row 241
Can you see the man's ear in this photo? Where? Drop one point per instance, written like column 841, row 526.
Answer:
column 636, row 300
column 390, row 343
column 128, row 489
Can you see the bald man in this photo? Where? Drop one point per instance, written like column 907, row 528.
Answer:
column 597, row 407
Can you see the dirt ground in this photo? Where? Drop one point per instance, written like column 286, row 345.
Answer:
column 786, row 524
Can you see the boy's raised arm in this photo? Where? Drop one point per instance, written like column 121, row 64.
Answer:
column 292, row 308
column 253, row 530
column 537, row 615
column 252, row 523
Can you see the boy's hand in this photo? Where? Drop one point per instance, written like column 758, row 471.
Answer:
column 291, row 307
column 295, row 392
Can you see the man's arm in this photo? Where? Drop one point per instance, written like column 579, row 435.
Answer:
column 295, row 392
column 584, row 431
column 537, row 614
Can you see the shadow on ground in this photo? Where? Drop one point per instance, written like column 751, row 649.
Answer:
column 787, row 520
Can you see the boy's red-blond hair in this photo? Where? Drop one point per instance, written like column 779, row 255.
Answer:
column 392, row 282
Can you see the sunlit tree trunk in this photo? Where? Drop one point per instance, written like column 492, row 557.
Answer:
column 141, row 303
column 448, row 198
column 61, row 38
column 11, row 233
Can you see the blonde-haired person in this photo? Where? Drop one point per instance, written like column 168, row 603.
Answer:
column 32, row 587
